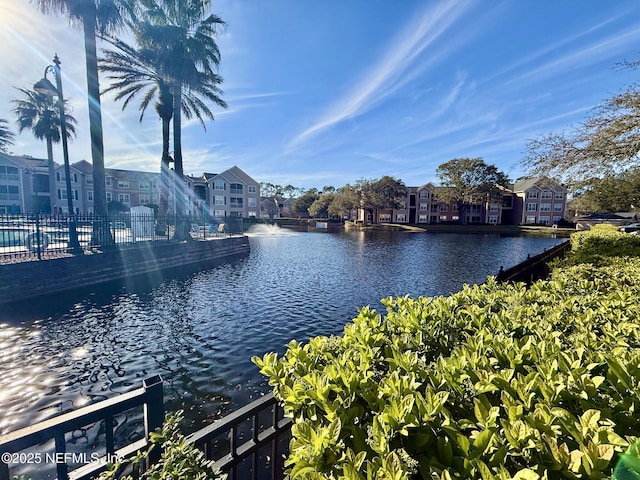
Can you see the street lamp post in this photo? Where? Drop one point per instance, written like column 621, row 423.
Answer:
column 46, row 87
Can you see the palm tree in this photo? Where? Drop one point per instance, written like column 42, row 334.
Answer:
column 95, row 16
column 6, row 135
column 136, row 71
column 185, row 36
column 39, row 112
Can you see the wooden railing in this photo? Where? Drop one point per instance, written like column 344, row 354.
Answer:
column 250, row 443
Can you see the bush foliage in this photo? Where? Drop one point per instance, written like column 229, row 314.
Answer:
column 602, row 242
column 497, row 381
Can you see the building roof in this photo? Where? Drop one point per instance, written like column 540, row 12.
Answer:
column 540, row 182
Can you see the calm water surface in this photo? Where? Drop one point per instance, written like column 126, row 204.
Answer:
column 200, row 331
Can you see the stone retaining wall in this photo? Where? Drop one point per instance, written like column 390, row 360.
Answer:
column 22, row 281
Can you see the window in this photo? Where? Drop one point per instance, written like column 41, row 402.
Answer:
column 144, row 185
column 154, row 198
column 218, row 213
column 218, row 185
column 532, row 207
column 109, row 196
column 455, row 207
column 62, row 194
column 9, row 192
column 493, row 208
column 251, row 189
column 401, row 217
column 435, row 208
column 123, row 184
column 423, row 218
column 476, row 208
column 144, row 199
column 443, row 218
column 220, row 200
column 547, row 194
column 107, row 182
column 235, row 188
column 455, row 218
column 89, row 196
column 423, row 194
column 557, row 207
column 384, row 217
column 252, row 213
column 155, row 185
column 235, row 202
column 493, row 219
column 74, row 177
column 545, row 207
column 556, row 218
column 532, row 194
column 424, row 207
column 444, row 208
column 559, row 195
column 89, row 180
column 530, row 219
column 252, row 202
column 8, row 173
column 124, row 198
column 59, row 177
column 544, row 220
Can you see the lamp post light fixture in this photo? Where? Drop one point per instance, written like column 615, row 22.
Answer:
column 46, row 87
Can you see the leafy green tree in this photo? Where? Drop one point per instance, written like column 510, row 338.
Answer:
column 39, row 113
column 6, row 136
column 95, row 17
column 346, row 200
column 468, row 181
column 320, row 208
column 301, row 205
column 385, row 193
column 617, row 193
column 606, row 141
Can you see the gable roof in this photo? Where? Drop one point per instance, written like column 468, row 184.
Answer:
column 540, row 182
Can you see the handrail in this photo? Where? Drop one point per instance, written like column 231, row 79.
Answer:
column 533, row 268
column 150, row 396
column 261, row 434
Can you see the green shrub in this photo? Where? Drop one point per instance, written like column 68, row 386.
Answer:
column 180, row 459
column 497, row 381
column 600, row 243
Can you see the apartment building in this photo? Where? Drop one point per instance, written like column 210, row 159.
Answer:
column 24, row 187
column 233, row 193
column 539, row 201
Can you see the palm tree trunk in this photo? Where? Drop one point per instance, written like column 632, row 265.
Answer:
column 52, row 179
column 182, row 227
column 100, row 234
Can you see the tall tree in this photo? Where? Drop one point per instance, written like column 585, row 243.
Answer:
column 185, row 34
column 604, row 144
column 95, row 17
column 134, row 71
column 468, row 181
column 39, row 113
column 6, row 135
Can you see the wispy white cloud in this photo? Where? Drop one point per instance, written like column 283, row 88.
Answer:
column 382, row 80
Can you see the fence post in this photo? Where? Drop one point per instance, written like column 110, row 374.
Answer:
column 153, row 411
column 40, row 238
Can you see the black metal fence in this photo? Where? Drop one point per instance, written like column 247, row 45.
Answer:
column 534, row 268
column 43, row 236
column 250, row 443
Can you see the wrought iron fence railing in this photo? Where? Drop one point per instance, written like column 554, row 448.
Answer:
column 43, row 236
column 250, row 443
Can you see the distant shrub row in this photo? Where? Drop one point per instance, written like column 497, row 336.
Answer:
column 497, row 381
column 603, row 242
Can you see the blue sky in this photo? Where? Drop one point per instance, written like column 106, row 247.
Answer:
column 324, row 92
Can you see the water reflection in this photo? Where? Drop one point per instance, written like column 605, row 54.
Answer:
column 199, row 331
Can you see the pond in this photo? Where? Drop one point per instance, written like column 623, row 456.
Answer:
column 200, row 331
